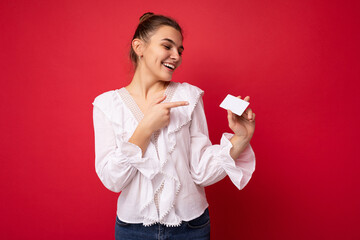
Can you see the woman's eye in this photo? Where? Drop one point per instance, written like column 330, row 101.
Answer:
column 169, row 47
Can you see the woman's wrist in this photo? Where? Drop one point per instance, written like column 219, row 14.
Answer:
column 141, row 137
column 144, row 129
column 239, row 144
column 238, row 141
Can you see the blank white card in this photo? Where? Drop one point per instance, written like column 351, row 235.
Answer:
column 234, row 104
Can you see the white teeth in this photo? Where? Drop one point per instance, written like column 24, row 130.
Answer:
column 169, row 65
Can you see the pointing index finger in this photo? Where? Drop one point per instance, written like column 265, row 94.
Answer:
column 175, row 104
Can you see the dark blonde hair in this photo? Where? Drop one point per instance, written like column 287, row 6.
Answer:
column 149, row 23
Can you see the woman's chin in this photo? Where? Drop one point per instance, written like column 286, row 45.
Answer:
column 166, row 78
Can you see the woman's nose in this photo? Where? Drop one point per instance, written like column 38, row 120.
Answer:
column 175, row 55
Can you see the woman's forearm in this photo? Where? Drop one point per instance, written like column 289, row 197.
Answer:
column 239, row 145
column 141, row 137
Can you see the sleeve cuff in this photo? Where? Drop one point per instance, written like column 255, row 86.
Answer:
column 240, row 170
column 129, row 153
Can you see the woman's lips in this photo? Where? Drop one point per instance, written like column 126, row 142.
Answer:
column 169, row 66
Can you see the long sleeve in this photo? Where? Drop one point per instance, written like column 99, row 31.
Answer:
column 211, row 163
column 117, row 161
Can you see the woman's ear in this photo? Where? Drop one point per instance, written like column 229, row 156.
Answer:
column 138, row 46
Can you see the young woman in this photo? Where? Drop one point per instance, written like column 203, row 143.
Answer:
column 152, row 143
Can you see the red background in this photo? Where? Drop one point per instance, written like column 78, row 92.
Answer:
column 298, row 60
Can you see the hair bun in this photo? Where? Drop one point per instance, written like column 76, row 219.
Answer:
column 146, row 16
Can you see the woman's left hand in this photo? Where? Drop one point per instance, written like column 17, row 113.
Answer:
column 243, row 126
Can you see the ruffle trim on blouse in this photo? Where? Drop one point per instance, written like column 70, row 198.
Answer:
column 168, row 182
column 168, row 218
column 169, row 177
column 184, row 117
column 149, row 211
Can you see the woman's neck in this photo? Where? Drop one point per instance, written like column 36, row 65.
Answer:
column 144, row 87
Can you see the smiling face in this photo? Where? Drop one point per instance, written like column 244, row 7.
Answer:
column 161, row 55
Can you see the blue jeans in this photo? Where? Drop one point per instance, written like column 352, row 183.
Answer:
column 196, row 229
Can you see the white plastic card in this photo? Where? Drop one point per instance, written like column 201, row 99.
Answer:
column 234, row 104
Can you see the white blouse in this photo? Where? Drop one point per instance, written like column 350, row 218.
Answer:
column 166, row 185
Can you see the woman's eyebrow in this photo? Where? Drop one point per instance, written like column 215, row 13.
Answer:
column 171, row 41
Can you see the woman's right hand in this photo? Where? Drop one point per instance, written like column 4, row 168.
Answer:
column 157, row 115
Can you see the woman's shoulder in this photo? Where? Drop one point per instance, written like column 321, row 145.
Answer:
column 187, row 89
column 104, row 97
column 108, row 101
column 190, row 93
column 188, row 86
